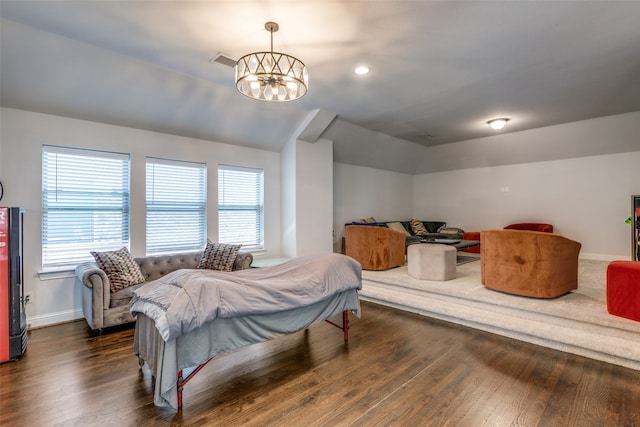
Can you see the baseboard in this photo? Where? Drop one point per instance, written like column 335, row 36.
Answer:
column 604, row 257
column 53, row 318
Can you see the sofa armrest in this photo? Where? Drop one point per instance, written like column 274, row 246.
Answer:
column 94, row 278
column 243, row 261
column 87, row 270
column 96, row 293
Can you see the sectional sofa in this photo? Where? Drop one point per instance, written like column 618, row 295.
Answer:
column 382, row 245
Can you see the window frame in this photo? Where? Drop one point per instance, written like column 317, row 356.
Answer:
column 180, row 205
column 74, row 205
column 257, row 225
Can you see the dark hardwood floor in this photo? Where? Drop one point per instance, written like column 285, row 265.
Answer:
column 398, row 369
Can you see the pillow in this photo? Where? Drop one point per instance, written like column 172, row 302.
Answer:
column 218, row 256
column 120, row 268
column 418, row 227
column 370, row 220
column 451, row 230
column 434, row 226
column 398, row 227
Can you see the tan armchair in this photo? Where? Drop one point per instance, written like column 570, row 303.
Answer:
column 529, row 263
column 375, row 248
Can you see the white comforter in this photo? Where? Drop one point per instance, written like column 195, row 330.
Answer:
column 187, row 299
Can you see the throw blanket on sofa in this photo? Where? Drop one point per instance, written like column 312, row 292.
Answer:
column 184, row 300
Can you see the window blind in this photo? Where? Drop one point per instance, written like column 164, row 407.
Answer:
column 240, row 206
column 176, row 206
column 85, row 204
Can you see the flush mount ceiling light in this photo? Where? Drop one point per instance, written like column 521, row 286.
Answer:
column 361, row 70
column 498, row 124
column 271, row 76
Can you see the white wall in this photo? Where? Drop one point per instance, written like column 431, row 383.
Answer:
column 288, row 210
column 361, row 192
column 314, row 189
column 583, row 138
column 22, row 136
column 307, row 201
column 586, row 199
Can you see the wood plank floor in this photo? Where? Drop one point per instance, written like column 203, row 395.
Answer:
column 398, row 369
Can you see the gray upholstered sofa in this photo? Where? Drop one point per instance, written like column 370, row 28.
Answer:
column 103, row 309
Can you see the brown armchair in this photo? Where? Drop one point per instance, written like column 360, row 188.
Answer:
column 375, row 248
column 529, row 263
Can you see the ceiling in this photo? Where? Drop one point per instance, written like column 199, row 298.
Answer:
column 439, row 69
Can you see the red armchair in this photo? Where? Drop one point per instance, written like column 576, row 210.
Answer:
column 531, row 226
column 527, row 226
column 472, row 235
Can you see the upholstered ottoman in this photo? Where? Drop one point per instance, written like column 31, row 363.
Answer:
column 431, row 261
column 623, row 289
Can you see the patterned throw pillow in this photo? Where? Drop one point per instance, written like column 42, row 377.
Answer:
column 120, row 268
column 370, row 220
column 418, row 227
column 218, row 256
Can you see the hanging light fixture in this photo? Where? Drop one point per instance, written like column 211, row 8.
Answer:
column 271, row 76
column 498, row 124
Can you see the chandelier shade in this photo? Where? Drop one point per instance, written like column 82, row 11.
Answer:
column 271, row 76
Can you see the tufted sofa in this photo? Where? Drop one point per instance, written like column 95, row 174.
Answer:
column 103, row 309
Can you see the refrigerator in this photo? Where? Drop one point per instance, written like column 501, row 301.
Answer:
column 13, row 320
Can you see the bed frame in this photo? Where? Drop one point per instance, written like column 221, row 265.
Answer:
column 182, row 381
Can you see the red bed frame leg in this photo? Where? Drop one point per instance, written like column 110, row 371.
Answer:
column 180, row 386
column 183, row 381
column 345, row 325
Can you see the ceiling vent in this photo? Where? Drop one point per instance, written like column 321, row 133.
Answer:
column 223, row 60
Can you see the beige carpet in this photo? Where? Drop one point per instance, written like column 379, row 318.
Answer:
column 576, row 323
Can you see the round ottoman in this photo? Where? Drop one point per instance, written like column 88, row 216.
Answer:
column 431, row 261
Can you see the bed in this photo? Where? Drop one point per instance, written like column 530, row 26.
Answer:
column 187, row 317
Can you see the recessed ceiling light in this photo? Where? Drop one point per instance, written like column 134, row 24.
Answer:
column 498, row 124
column 361, row 70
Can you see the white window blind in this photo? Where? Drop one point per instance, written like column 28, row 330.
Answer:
column 176, row 206
column 240, row 206
column 85, row 204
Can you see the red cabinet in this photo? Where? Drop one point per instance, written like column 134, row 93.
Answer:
column 13, row 322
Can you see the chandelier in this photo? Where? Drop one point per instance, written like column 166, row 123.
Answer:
column 271, row 76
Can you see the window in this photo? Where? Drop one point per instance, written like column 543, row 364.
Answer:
column 176, row 206
column 240, row 206
column 85, row 204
